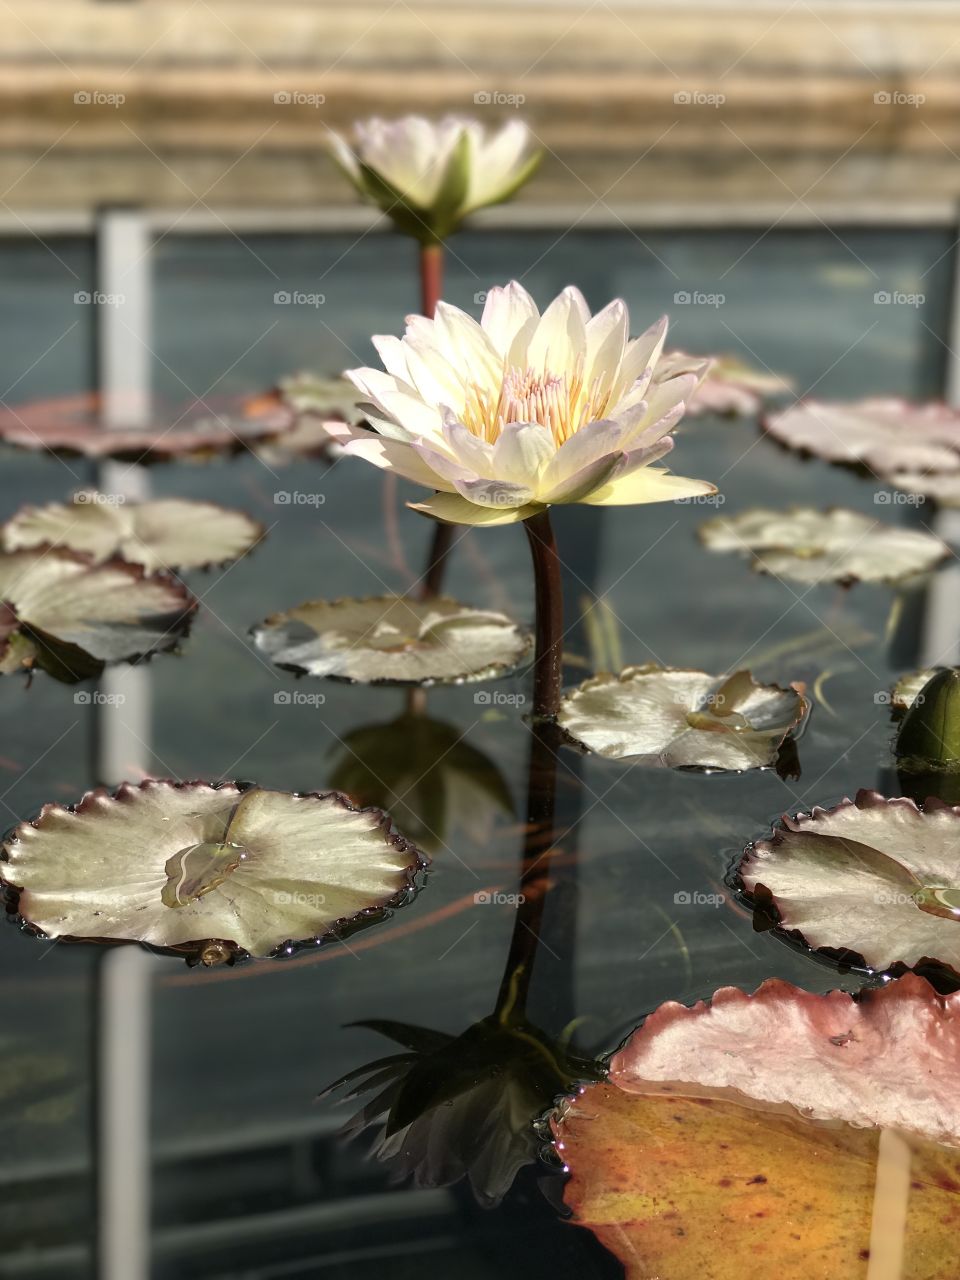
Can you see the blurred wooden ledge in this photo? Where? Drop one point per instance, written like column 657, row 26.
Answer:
column 166, row 101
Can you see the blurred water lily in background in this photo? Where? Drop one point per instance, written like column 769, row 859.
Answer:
column 429, row 175
column 509, row 416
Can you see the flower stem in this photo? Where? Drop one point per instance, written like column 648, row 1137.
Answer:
column 431, row 288
column 548, row 659
column 431, row 277
column 538, row 849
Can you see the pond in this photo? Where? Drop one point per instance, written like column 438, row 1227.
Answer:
column 250, row 1177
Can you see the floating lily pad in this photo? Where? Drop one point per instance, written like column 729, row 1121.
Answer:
column 730, row 387
column 872, row 878
column 682, row 719
column 884, row 435
column 780, row 1125
column 169, row 533
column 322, row 397
column 210, row 871
column 394, row 640
column 803, row 544
column 73, row 426
column 70, row 617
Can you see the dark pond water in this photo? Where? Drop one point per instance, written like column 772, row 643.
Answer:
column 250, row 1179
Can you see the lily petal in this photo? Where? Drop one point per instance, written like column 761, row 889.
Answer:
column 521, row 451
column 648, row 484
column 452, row 509
column 508, row 310
column 395, row 455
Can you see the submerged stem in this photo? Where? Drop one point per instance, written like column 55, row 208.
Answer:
column 548, row 659
column 538, row 849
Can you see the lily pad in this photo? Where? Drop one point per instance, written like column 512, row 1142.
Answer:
column 729, row 387
column 73, row 426
column 882, row 434
column 394, row 640
column 322, row 396
column 169, row 533
column 209, row 871
column 813, row 1130
column 70, row 617
column 806, row 545
column 682, row 719
column 872, row 878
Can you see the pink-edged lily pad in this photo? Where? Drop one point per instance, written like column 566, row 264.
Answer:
column 819, row 1131
column 73, row 426
column 70, row 617
column 730, row 387
column 803, row 544
column 888, row 1058
column 209, row 871
column 884, row 435
column 872, row 878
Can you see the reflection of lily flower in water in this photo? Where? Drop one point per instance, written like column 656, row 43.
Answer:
column 426, row 775
column 450, row 1107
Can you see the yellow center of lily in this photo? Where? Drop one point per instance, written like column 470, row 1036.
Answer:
column 559, row 401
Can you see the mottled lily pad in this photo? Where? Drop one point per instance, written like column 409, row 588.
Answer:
column 209, row 871
column 806, row 545
column 682, row 719
column 872, row 878
column 819, row 1131
column 70, row 617
column 882, row 434
column 394, row 640
column 729, row 387
column 169, row 533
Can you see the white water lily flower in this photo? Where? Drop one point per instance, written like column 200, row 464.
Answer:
column 429, row 175
column 509, row 416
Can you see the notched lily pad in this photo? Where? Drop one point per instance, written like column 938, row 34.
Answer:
column 69, row 617
column 212, row 872
column 168, row 533
column 813, row 1130
column 871, row 879
column 394, row 640
column 683, row 719
column 806, row 545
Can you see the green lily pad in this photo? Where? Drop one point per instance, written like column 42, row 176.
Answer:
column 871, row 877
column 168, row 533
column 682, row 719
column 805, row 545
column 209, row 871
column 69, row 617
column 394, row 640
